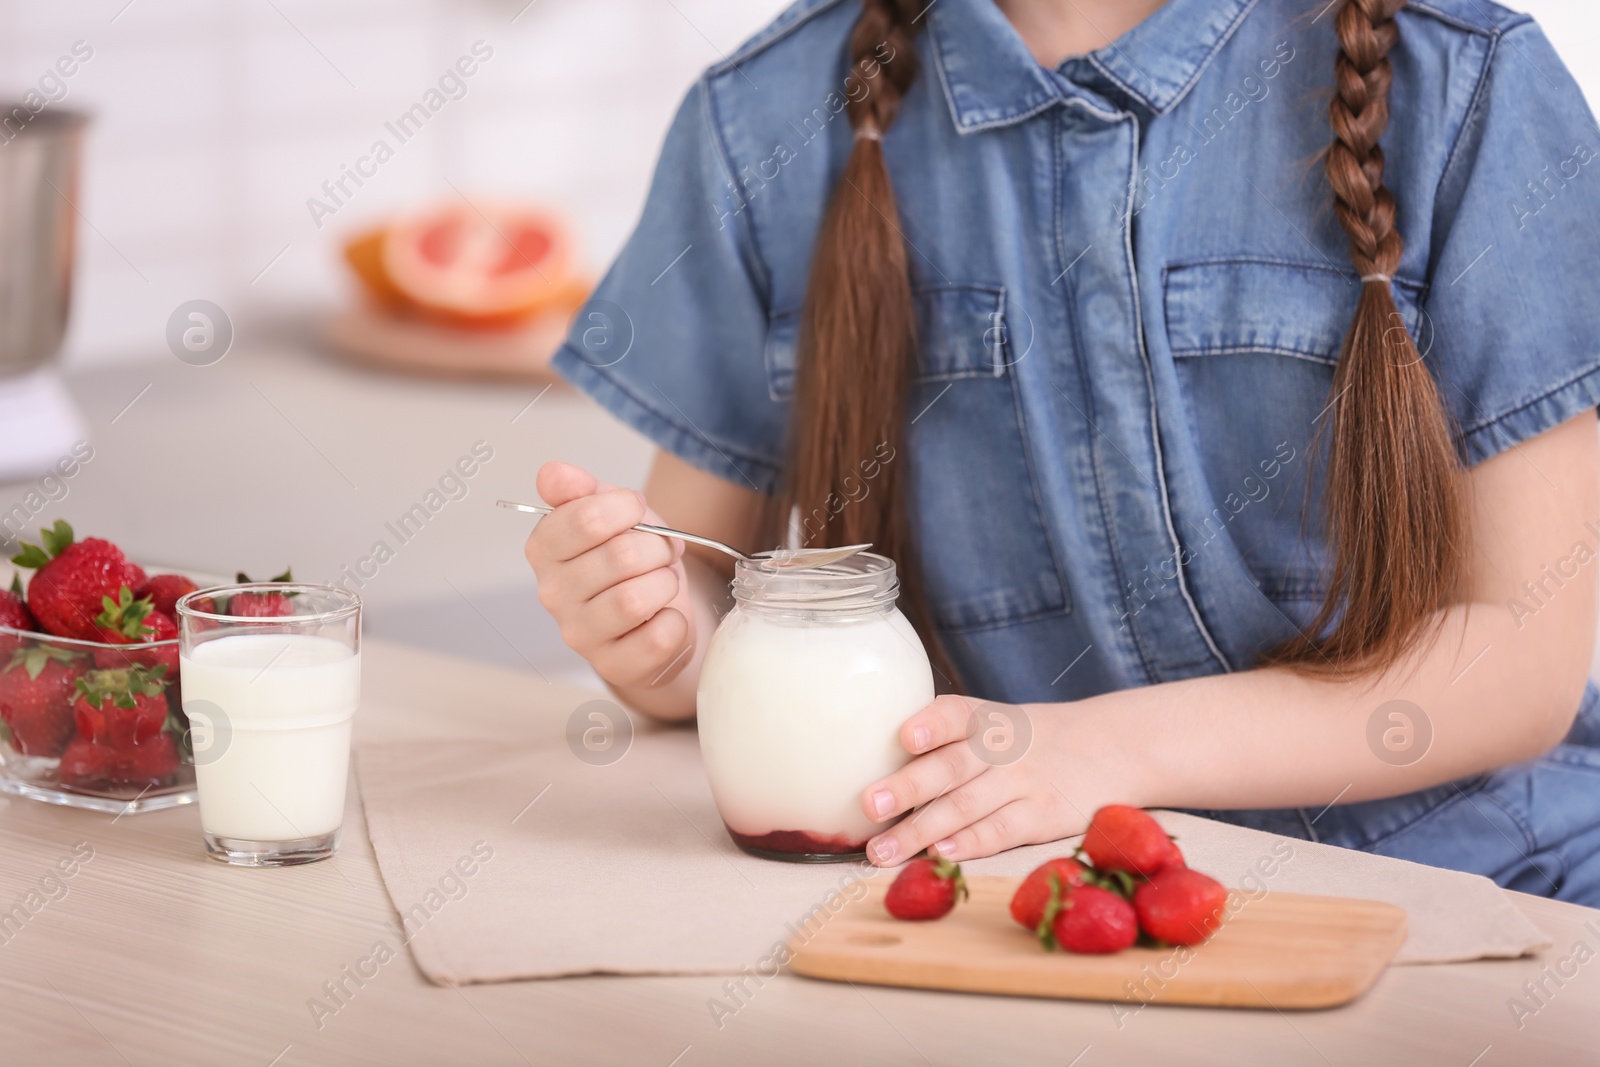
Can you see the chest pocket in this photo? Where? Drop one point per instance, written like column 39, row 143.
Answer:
column 986, row 557
column 961, row 333
column 1254, row 344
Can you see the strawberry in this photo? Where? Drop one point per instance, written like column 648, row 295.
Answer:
column 262, row 605
column 164, row 591
column 84, row 762
column 36, row 690
column 121, row 708
column 1180, row 906
column 71, row 578
column 926, row 888
column 1032, row 897
column 147, row 763
column 126, row 621
column 14, row 615
column 1093, row 921
column 1121, row 838
column 88, row 763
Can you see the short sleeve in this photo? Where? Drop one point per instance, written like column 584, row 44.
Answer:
column 1511, row 304
column 672, row 340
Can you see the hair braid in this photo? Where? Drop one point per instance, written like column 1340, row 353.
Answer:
column 1395, row 502
column 848, row 471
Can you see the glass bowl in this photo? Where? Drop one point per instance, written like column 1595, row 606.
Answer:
column 156, row 773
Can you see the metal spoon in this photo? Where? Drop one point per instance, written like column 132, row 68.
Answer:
column 777, row 558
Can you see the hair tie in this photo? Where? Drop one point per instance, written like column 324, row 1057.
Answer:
column 1384, row 278
column 867, row 131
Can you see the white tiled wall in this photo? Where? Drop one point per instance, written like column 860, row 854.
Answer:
column 215, row 120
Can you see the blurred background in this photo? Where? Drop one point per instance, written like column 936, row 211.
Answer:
column 211, row 129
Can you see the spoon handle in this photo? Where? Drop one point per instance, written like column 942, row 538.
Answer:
column 664, row 531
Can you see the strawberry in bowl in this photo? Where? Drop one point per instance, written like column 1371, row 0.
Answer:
column 90, row 713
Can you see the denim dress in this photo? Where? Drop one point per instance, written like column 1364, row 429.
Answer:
column 1131, row 291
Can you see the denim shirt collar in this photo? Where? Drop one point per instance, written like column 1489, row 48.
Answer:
column 990, row 78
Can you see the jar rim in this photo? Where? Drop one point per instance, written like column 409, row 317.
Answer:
column 865, row 581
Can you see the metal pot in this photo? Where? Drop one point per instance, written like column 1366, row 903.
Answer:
column 40, row 155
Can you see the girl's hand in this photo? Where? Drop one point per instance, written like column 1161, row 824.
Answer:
column 614, row 591
column 987, row 777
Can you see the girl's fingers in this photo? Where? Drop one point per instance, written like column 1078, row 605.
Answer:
column 625, row 606
column 561, row 483
column 945, row 720
column 582, row 524
column 627, row 555
column 1019, row 822
column 920, row 781
column 651, row 654
column 956, row 810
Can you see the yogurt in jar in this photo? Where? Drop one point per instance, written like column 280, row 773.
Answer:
column 803, row 691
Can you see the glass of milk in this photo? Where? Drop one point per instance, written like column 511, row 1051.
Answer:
column 271, row 676
column 804, row 688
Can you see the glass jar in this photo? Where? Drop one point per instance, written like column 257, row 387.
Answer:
column 803, row 691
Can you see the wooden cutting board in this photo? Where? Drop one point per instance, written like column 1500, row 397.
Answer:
column 1282, row 950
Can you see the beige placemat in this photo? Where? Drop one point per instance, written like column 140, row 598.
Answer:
column 519, row 860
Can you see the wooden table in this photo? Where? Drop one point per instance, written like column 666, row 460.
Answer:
column 158, row 956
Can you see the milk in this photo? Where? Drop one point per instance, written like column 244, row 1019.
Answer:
column 273, row 767
column 797, row 718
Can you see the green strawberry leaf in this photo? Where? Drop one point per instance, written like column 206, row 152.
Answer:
column 58, row 538
column 121, row 686
column 286, row 576
column 33, row 658
column 943, row 868
column 1046, row 929
column 5, row 733
column 148, row 681
column 16, row 583
column 32, row 557
column 125, row 615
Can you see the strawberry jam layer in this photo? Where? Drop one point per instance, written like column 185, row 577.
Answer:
column 798, row 843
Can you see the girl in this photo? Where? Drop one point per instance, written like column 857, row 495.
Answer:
column 1224, row 393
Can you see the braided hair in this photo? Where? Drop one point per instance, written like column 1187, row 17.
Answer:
column 1394, row 495
column 858, row 346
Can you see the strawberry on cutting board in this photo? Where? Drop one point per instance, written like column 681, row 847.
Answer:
column 1093, row 921
column 1123, row 838
column 71, row 579
column 37, row 687
column 1180, row 906
column 925, row 888
column 1032, row 898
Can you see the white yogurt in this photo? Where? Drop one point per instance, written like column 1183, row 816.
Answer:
column 797, row 716
column 273, row 767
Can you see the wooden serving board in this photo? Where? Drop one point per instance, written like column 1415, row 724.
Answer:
column 410, row 346
column 1283, row 950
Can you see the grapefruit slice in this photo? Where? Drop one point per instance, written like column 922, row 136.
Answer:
column 480, row 264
